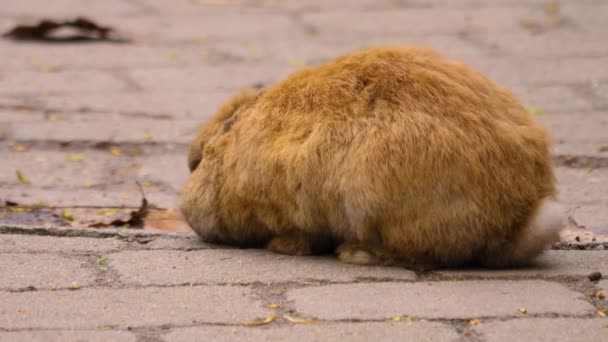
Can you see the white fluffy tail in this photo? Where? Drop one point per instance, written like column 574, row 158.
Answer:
column 542, row 231
column 544, row 228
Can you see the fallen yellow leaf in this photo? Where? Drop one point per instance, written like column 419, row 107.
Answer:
column 21, row 177
column 102, row 260
column 66, row 214
column 475, row 321
column 402, row 319
column 115, row 151
column 18, row 209
column 273, row 306
column 299, row 320
column 601, row 313
column 75, row 286
column 74, row 158
column 261, row 321
column 523, row 310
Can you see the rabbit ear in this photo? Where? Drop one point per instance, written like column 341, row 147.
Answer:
column 195, row 155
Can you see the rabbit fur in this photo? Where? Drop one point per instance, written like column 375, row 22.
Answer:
column 392, row 155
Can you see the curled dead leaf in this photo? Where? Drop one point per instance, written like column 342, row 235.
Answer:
column 261, row 321
column 299, row 320
column 76, row 30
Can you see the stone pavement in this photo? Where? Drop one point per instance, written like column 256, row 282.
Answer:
column 82, row 122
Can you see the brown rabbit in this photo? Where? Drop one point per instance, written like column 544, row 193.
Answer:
column 391, row 155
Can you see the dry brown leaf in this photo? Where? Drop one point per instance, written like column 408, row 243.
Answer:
column 261, row 321
column 78, row 30
column 170, row 220
column 135, row 218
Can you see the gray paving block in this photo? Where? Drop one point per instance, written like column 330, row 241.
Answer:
column 239, row 266
column 363, row 332
column 545, row 330
column 551, row 264
column 33, row 243
column 97, row 308
column 454, row 299
column 42, row 271
column 67, row 336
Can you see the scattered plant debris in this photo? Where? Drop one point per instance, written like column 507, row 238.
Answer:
column 136, row 217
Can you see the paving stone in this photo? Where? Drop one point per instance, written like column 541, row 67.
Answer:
column 389, row 331
column 67, row 336
column 238, row 266
column 579, row 188
column 109, row 128
column 194, row 104
column 415, row 21
column 188, row 242
column 190, row 28
column 207, row 78
column 31, row 243
column 41, row 271
column 592, row 216
column 68, row 8
column 110, row 180
column 551, row 264
column 585, row 136
column 88, row 308
column 541, row 71
column 48, row 168
column 551, row 44
column 545, row 330
column 61, row 82
column 99, row 56
column 448, row 300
